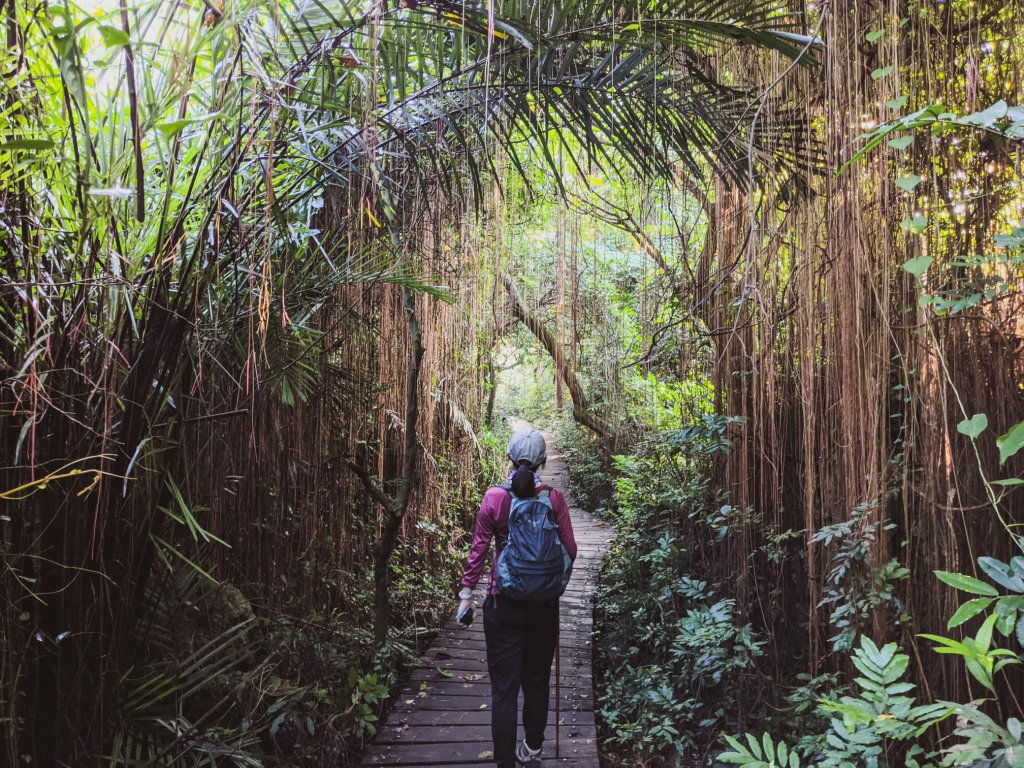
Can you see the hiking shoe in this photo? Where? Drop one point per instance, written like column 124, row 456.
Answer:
column 529, row 758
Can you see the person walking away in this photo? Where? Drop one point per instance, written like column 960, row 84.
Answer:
column 534, row 548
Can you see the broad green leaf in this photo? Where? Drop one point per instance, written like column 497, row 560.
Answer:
column 114, row 37
column 907, row 183
column 984, row 637
column 917, row 266
column 916, row 225
column 1009, row 482
column 968, row 611
column 1011, row 442
column 901, row 142
column 898, row 103
column 881, row 72
column 875, row 36
column 967, row 583
column 986, row 118
column 1002, row 574
column 973, row 426
column 1006, row 618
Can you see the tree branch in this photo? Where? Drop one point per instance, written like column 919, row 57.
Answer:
column 372, row 486
column 580, row 408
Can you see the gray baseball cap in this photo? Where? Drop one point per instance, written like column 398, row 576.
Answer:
column 528, row 445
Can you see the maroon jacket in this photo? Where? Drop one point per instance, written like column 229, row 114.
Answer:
column 492, row 521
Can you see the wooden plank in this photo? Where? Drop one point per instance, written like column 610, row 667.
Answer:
column 452, row 752
column 422, row 716
column 445, row 703
column 435, row 733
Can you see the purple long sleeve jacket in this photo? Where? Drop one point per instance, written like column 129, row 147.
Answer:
column 492, row 523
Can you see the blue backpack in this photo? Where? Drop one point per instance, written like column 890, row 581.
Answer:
column 533, row 565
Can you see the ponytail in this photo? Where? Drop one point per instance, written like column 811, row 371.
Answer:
column 523, row 484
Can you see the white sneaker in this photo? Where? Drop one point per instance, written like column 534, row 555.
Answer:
column 530, row 758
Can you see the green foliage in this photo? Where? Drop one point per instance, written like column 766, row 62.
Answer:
column 872, row 728
column 881, row 724
column 864, row 726
column 680, row 655
column 1007, row 616
column 766, row 753
column 679, row 660
column 998, row 118
column 987, row 744
column 591, row 473
column 854, row 589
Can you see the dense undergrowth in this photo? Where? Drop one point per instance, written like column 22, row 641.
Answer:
column 686, row 659
column 271, row 686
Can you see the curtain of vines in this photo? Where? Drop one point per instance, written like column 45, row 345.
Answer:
column 852, row 389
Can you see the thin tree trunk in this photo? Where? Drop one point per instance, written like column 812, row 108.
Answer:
column 395, row 506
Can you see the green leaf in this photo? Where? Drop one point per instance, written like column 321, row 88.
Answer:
column 1002, row 574
column 986, row 118
column 968, row 611
column 984, row 637
column 874, row 37
column 1011, row 442
column 769, row 747
column 901, row 142
column 973, row 426
column 114, row 37
column 917, row 266
column 898, row 103
column 916, row 225
column 26, row 145
column 1006, row 618
column 980, row 674
column 881, row 72
column 907, row 183
column 172, row 128
column 967, row 583
column 1009, row 482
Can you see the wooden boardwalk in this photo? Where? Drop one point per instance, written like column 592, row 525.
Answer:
column 443, row 715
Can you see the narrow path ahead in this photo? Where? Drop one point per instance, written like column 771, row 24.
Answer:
column 443, row 715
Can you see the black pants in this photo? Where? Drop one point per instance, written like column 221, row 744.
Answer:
column 520, row 645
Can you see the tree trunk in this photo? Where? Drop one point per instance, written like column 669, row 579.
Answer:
column 564, row 369
column 395, row 506
column 382, row 552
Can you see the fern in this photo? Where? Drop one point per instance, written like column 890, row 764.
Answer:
column 765, row 753
column 863, row 726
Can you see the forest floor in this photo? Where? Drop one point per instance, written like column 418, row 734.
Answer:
column 442, row 716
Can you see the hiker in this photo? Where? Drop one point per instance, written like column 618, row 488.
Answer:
column 520, row 612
